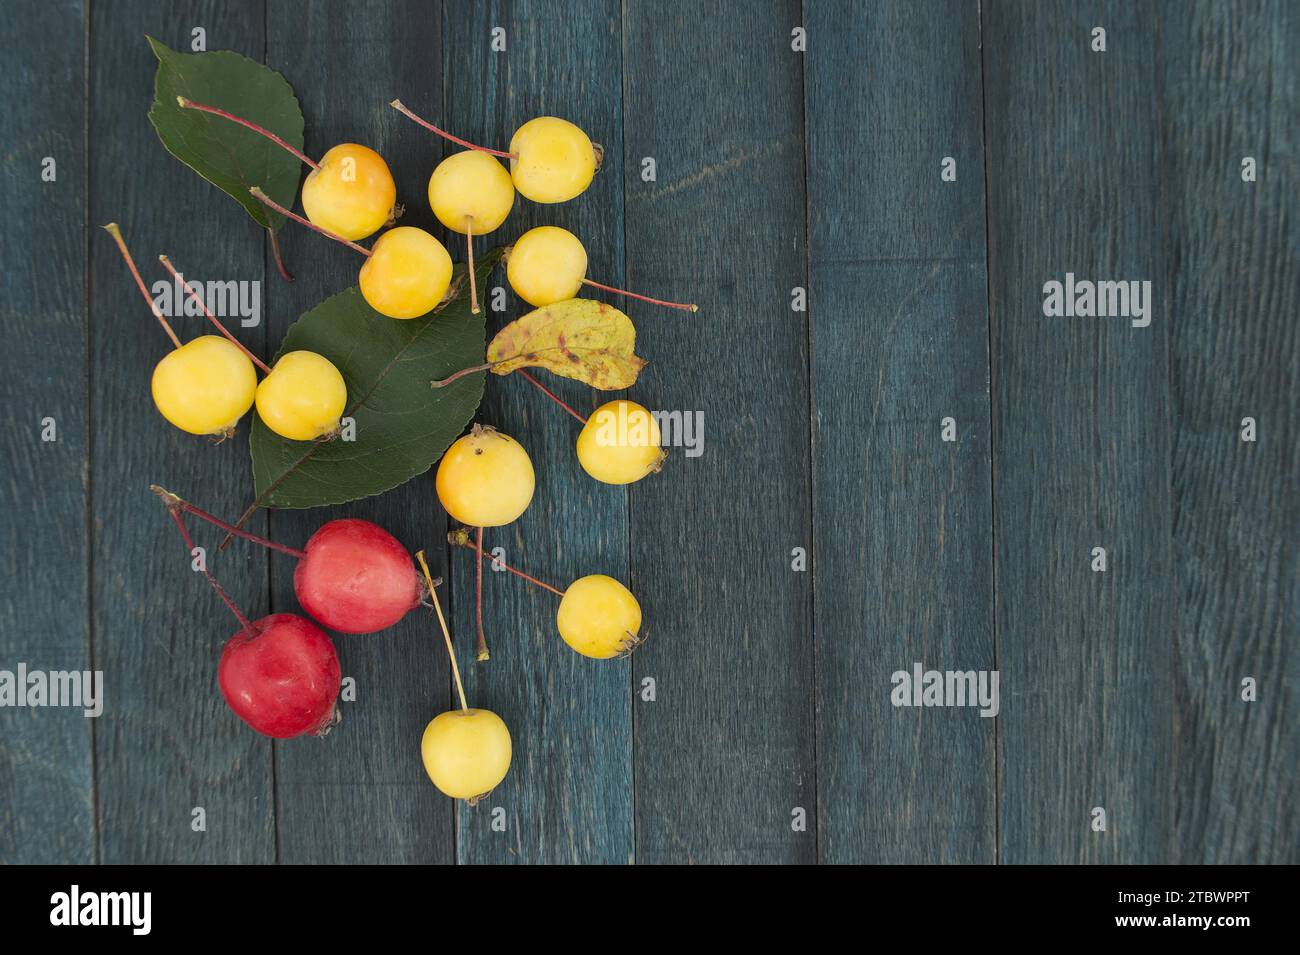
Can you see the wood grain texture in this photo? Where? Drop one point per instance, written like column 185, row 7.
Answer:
column 774, row 170
column 724, row 755
column 902, row 519
column 1229, row 91
column 361, row 795
column 1080, row 437
column 167, row 741
column 568, row 797
column 46, row 760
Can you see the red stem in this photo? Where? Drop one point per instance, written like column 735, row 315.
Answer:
column 480, row 650
column 443, row 382
column 550, row 394
column 275, row 251
column 244, row 622
column 177, row 504
column 190, row 104
column 116, row 233
column 266, row 200
column 462, row 538
column 397, row 105
column 167, row 264
column 473, row 285
column 684, row 306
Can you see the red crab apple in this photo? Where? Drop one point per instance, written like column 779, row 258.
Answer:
column 281, row 677
column 281, row 674
column 354, row 577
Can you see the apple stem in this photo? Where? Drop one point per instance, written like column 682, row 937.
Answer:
column 279, row 261
column 550, row 394
column 684, row 306
column 444, row 382
column 116, row 233
column 175, row 503
column 244, row 622
column 167, row 264
column 266, row 200
column 473, row 285
column 480, row 649
column 446, row 634
column 461, row 538
column 401, row 108
column 190, row 104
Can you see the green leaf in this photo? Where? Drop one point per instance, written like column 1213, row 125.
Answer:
column 403, row 425
column 224, row 153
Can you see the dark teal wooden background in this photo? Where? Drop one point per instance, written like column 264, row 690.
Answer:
column 775, row 169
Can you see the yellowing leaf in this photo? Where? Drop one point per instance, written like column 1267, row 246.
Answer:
column 591, row 342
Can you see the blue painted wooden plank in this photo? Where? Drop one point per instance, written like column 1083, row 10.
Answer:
column 46, row 760
column 568, row 797
column 346, row 62
column 724, row 755
column 902, row 528
column 167, row 743
column 1229, row 90
column 1080, row 436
